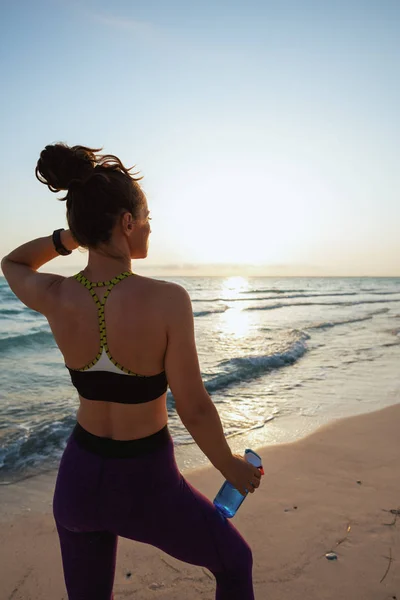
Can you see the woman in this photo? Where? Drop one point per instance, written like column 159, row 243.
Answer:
column 123, row 337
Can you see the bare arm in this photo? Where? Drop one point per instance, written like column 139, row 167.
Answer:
column 37, row 290
column 193, row 404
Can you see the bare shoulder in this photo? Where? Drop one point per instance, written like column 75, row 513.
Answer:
column 170, row 297
column 159, row 286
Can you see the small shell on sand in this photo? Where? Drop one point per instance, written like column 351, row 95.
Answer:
column 331, row 556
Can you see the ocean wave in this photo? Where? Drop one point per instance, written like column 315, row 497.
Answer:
column 213, row 300
column 27, row 446
column 297, row 291
column 7, row 294
column 272, row 291
column 290, row 304
column 245, row 299
column 303, row 294
column 6, row 312
column 37, row 338
column 328, row 324
column 270, row 306
column 204, row 313
column 246, row 368
column 385, row 293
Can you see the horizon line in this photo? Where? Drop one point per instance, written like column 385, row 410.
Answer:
column 231, row 270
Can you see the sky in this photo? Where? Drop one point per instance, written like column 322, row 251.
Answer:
column 267, row 132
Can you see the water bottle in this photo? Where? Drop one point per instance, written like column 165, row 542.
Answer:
column 228, row 499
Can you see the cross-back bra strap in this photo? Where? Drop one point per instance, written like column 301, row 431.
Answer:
column 101, row 303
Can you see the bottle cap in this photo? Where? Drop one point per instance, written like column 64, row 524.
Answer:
column 254, row 459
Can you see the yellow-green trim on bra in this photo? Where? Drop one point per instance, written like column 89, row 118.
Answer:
column 100, row 313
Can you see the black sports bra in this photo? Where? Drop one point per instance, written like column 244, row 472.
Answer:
column 104, row 378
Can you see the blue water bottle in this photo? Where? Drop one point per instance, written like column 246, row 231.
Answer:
column 228, row 499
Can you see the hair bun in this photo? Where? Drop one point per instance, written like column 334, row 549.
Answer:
column 60, row 166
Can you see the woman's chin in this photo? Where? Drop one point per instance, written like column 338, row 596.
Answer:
column 139, row 255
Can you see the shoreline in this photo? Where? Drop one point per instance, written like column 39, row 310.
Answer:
column 280, row 430
column 332, row 490
column 277, row 430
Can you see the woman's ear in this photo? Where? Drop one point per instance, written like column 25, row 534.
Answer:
column 127, row 221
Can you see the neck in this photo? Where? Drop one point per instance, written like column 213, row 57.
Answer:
column 101, row 267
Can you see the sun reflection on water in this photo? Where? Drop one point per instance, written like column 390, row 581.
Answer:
column 234, row 321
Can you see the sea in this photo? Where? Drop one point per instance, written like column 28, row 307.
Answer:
column 279, row 357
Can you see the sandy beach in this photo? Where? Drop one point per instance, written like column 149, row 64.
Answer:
column 338, row 490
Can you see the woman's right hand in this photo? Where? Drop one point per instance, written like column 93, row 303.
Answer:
column 244, row 476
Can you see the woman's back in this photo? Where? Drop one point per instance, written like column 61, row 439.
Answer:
column 136, row 315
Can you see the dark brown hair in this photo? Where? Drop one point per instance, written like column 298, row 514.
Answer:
column 99, row 189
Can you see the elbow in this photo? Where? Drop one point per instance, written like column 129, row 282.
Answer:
column 196, row 411
column 3, row 264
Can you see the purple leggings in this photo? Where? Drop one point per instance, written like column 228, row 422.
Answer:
column 134, row 489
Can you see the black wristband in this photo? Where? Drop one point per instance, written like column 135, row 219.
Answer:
column 59, row 247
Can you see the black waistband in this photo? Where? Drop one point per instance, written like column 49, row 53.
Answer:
column 109, row 448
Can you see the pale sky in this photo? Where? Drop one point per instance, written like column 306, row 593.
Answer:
column 267, row 132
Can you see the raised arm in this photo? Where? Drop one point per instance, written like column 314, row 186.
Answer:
column 38, row 291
